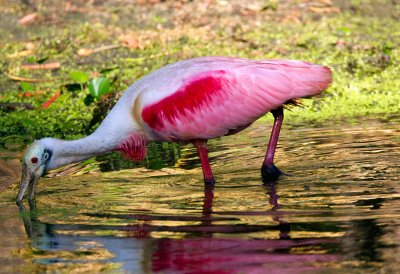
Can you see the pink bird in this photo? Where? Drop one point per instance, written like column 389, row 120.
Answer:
column 189, row 101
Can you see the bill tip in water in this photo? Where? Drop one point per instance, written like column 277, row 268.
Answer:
column 33, row 166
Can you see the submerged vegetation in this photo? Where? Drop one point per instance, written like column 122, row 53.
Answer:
column 64, row 67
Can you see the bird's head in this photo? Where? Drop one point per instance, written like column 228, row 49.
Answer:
column 34, row 164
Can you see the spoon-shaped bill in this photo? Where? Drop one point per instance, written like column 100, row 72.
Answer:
column 28, row 179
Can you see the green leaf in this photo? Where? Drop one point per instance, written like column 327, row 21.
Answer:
column 79, row 76
column 388, row 47
column 99, row 86
column 28, row 122
column 107, row 70
column 345, row 30
column 31, row 59
column 34, row 59
column 88, row 100
column 26, row 86
column 42, row 60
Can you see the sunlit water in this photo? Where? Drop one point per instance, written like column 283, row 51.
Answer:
column 336, row 210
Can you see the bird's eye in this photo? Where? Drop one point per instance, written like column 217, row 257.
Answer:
column 34, row 160
column 46, row 156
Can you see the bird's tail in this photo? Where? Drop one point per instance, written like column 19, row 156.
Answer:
column 309, row 79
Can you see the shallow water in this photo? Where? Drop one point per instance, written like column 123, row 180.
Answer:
column 337, row 209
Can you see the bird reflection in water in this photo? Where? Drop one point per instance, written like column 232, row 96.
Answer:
column 215, row 245
column 214, row 253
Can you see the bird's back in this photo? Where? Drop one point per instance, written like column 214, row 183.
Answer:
column 208, row 97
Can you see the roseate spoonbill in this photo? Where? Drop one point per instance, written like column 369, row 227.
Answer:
column 188, row 101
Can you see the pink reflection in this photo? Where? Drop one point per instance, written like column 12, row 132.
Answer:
column 214, row 255
column 234, row 256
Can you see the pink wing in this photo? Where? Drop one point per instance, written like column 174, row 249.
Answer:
column 214, row 102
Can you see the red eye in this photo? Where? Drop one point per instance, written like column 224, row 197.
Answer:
column 34, row 160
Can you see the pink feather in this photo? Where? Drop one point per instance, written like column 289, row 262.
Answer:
column 208, row 97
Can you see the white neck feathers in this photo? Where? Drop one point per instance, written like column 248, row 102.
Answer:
column 117, row 127
column 66, row 152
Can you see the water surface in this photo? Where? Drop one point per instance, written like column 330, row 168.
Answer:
column 337, row 209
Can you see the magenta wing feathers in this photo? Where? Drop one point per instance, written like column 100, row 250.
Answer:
column 214, row 96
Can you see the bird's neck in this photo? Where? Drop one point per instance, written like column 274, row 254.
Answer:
column 118, row 131
column 67, row 152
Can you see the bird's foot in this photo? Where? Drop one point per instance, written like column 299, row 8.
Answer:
column 270, row 173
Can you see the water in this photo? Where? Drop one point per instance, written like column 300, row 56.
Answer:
column 337, row 210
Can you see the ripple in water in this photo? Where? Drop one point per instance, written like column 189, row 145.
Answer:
column 337, row 209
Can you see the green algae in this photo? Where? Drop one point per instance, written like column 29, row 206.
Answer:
column 362, row 51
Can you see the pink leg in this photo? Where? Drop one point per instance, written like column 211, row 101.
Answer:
column 201, row 146
column 268, row 170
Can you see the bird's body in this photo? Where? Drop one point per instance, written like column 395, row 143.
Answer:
column 192, row 101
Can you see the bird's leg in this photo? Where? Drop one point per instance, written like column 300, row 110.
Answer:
column 207, row 204
column 268, row 170
column 201, row 146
